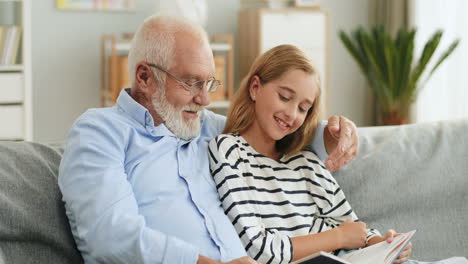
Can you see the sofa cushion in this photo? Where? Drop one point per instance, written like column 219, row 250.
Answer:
column 414, row 177
column 33, row 224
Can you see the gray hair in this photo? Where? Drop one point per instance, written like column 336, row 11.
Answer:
column 155, row 41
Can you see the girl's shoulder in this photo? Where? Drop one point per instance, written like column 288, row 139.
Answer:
column 304, row 157
column 226, row 141
column 309, row 154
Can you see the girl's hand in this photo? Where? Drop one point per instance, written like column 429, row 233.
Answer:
column 405, row 253
column 352, row 234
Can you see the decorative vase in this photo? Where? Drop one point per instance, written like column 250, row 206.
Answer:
column 393, row 118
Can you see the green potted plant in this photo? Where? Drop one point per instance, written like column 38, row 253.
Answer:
column 389, row 67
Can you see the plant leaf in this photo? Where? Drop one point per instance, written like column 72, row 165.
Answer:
column 444, row 55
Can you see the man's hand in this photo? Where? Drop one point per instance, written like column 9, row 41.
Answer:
column 243, row 260
column 341, row 142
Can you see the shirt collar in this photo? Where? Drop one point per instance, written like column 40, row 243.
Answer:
column 140, row 114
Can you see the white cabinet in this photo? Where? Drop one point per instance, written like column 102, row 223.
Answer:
column 11, row 87
column 12, row 127
column 307, row 28
column 15, row 75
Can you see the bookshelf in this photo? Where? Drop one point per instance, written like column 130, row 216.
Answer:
column 115, row 73
column 15, row 71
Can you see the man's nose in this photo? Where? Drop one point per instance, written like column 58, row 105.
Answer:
column 202, row 97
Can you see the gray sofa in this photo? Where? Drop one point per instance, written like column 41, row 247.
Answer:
column 407, row 177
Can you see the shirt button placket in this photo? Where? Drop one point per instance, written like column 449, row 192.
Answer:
column 183, row 172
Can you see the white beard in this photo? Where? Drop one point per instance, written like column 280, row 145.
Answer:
column 172, row 116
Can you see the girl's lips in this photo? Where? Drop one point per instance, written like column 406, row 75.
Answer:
column 281, row 124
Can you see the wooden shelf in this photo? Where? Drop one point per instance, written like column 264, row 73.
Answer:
column 10, row 68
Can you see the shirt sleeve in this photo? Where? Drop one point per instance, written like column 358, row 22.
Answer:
column 333, row 208
column 318, row 143
column 100, row 203
column 262, row 244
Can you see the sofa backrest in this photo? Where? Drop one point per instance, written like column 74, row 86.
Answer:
column 33, row 224
column 414, row 177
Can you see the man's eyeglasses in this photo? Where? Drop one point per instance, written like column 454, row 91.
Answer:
column 210, row 85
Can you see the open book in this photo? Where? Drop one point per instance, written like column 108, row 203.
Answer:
column 380, row 253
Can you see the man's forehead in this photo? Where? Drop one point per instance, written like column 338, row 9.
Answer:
column 194, row 63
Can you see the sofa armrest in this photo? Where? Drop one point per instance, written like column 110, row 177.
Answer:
column 33, row 224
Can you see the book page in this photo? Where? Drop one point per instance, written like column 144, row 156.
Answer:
column 382, row 252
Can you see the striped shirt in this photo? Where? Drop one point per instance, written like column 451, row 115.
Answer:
column 269, row 201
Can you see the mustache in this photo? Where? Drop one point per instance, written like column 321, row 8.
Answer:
column 193, row 108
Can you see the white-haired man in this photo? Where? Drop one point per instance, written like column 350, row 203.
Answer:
column 135, row 177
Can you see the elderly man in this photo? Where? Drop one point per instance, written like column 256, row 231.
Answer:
column 135, row 177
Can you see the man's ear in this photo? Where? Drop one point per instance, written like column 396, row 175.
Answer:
column 253, row 87
column 144, row 78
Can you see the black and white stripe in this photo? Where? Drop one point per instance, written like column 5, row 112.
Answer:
column 270, row 201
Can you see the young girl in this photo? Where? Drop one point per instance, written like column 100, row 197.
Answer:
column 279, row 196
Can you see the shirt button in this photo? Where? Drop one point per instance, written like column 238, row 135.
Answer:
column 148, row 120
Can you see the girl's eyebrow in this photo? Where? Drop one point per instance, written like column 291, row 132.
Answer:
column 288, row 89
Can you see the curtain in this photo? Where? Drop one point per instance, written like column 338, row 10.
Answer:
column 445, row 95
column 393, row 14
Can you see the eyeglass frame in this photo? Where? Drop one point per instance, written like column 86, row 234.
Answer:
column 191, row 87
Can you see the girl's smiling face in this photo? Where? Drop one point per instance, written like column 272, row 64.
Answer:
column 281, row 105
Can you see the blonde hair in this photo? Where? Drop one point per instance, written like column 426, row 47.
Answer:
column 268, row 67
column 155, row 41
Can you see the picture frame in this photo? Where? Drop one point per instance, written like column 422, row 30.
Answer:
column 307, row 3
column 100, row 5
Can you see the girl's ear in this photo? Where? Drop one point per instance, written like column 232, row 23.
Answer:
column 254, row 86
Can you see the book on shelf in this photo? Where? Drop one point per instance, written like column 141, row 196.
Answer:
column 10, row 37
column 380, row 253
column 3, row 33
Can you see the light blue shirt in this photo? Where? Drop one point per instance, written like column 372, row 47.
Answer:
column 135, row 193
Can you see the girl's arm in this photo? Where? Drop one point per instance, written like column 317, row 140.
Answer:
column 348, row 235
column 333, row 208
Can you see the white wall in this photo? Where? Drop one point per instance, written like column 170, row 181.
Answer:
column 66, row 58
column 349, row 93
column 66, row 62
